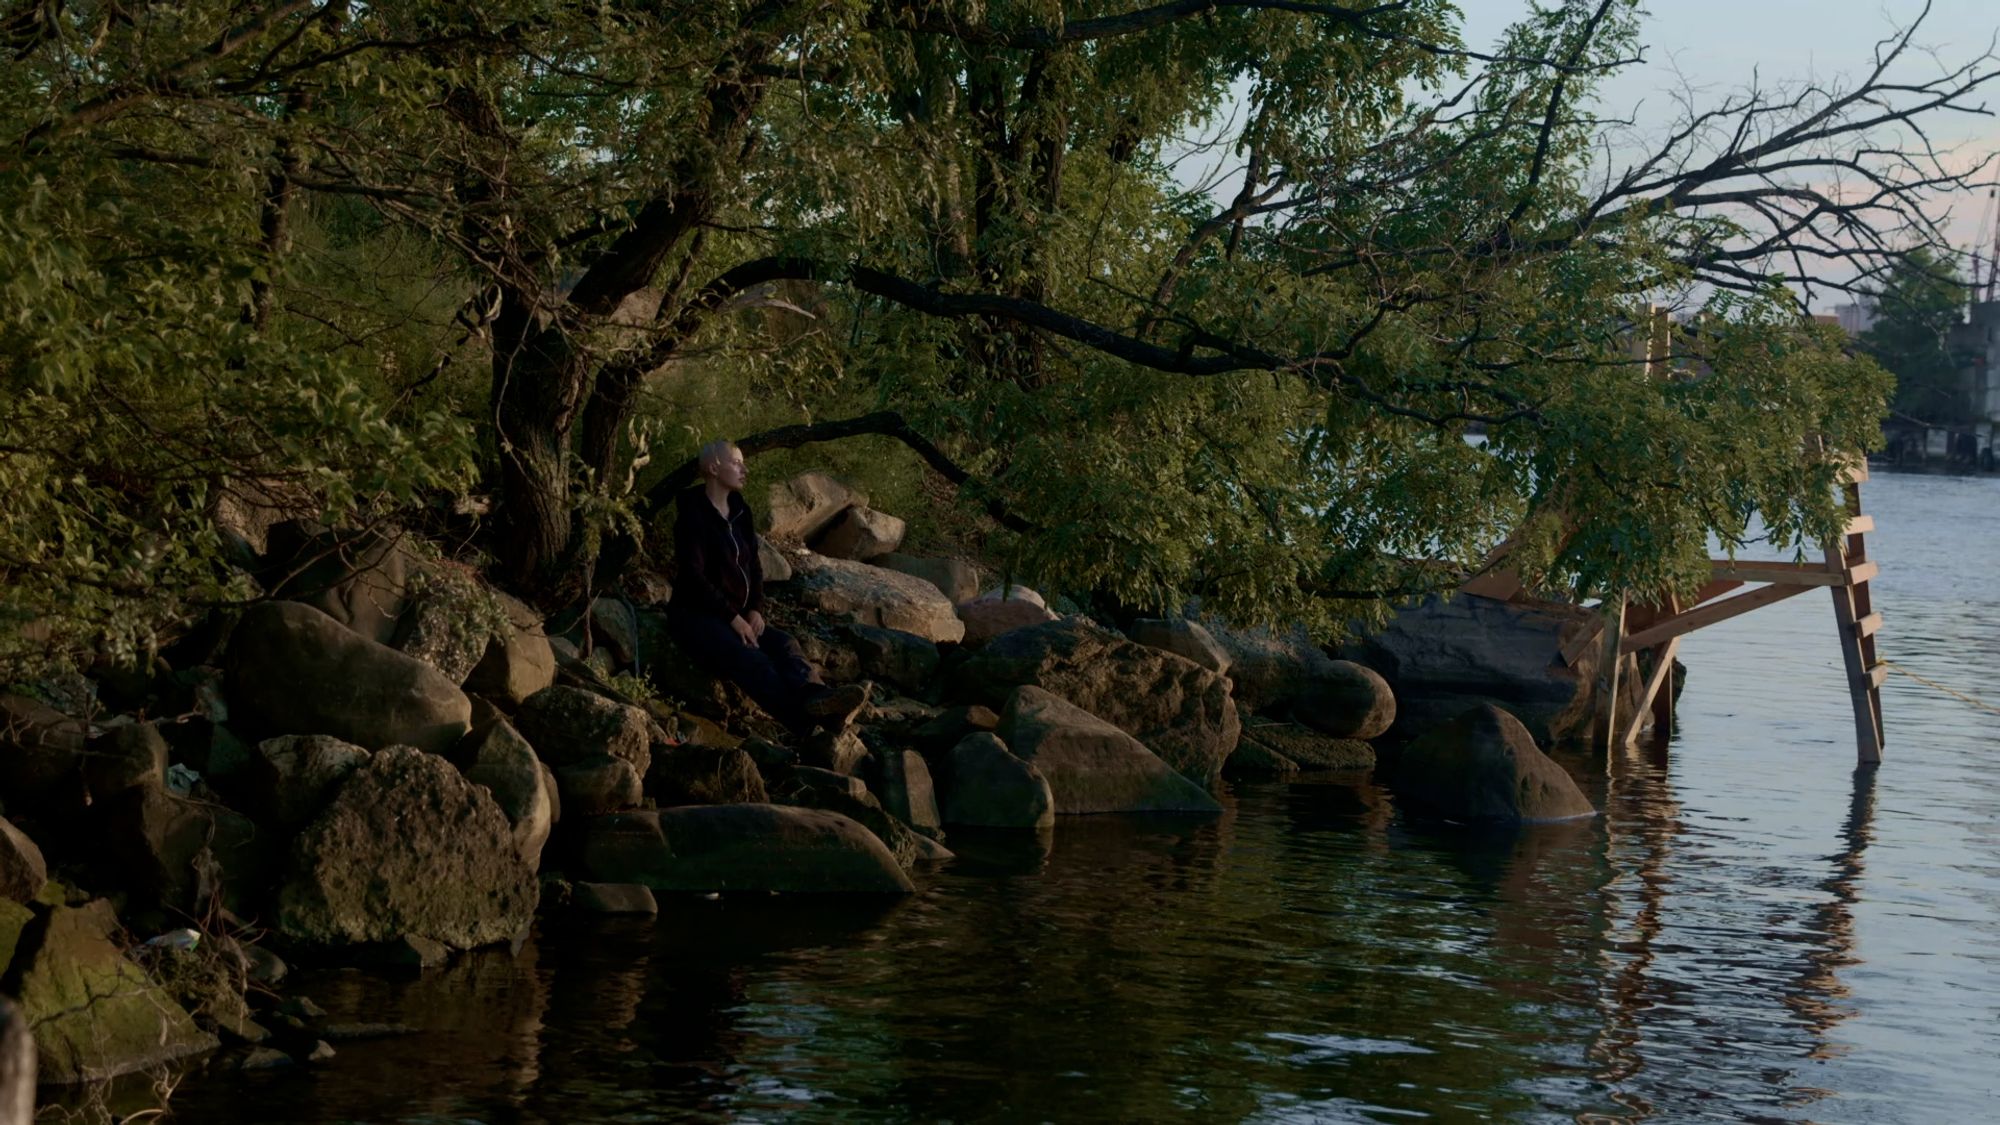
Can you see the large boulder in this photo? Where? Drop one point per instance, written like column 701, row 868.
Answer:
column 600, row 784
column 94, row 1014
column 178, row 853
column 525, row 789
column 993, row 614
column 741, row 848
column 360, row 579
column 518, row 661
column 1092, row 766
column 1441, row 657
column 907, row 789
column 294, row 670
column 1484, row 766
column 41, row 755
column 904, row 660
column 449, row 623
column 776, row 565
column 567, row 724
column 802, row 507
column 690, row 773
column 956, row 579
column 1346, row 700
column 1178, row 709
column 22, row 868
column 988, row 787
column 127, row 755
column 1269, row 669
column 1309, row 749
column 862, row 808
column 855, row 591
column 1182, row 637
column 860, row 534
column 409, row 847
column 292, row 777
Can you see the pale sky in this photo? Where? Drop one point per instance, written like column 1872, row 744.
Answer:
column 1716, row 47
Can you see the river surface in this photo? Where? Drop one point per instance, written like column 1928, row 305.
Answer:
column 1754, row 930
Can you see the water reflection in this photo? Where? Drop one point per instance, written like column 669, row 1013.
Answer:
column 1750, row 931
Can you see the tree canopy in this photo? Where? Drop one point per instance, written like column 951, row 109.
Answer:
column 406, row 259
column 1917, row 307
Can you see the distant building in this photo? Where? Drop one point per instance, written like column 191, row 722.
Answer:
column 1979, row 340
column 1854, row 319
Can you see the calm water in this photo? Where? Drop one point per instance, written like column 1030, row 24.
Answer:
column 1753, row 930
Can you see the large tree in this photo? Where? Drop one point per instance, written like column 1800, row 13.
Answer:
column 267, row 240
column 1917, row 308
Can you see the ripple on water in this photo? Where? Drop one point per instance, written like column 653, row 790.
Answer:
column 1753, row 930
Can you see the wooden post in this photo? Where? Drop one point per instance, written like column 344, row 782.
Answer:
column 1610, row 654
column 1854, row 615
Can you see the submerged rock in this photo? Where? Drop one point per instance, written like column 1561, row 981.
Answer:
column 1092, row 766
column 988, row 787
column 1484, row 766
column 741, row 848
column 1309, row 749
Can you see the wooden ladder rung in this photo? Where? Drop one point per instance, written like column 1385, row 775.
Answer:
column 1876, row 675
column 1860, row 525
column 1862, row 572
column 1868, row 626
column 1854, row 471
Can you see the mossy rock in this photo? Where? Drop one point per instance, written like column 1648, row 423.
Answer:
column 94, row 1014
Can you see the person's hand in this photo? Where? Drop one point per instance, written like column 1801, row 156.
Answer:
column 756, row 621
column 744, row 632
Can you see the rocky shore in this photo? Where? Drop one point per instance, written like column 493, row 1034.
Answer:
column 387, row 762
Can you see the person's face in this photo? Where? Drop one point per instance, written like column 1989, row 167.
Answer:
column 729, row 471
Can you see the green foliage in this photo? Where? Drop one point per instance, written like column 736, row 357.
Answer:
column 1916, row 308
column 336, row 254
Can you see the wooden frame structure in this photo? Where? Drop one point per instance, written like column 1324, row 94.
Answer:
column 1845, row 571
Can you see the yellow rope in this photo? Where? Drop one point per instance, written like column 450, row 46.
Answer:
column 1958, row 695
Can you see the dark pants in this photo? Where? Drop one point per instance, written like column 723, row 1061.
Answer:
column 775, row 673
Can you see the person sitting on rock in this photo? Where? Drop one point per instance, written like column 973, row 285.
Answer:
column 716, row 611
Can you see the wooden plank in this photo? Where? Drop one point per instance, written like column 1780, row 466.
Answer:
column 1609, row 657
column 1702, row 616
column 1860, row 525
column 1796, row 574
column 1876, row 674
column 1854, row 471
column 1663, row 673
column 1861, row 572
column 1714, row 589
column 1868, row 626
column 1861, row 681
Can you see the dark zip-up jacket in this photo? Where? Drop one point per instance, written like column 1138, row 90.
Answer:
column 717, row 571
